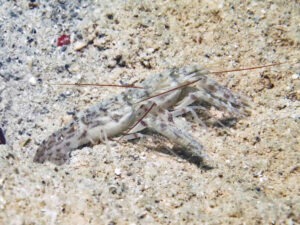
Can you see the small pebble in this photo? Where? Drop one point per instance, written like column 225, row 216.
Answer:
column 118, row 171
column 2, row 138
column 296, row 76
column 79, row 45
column 32, row 81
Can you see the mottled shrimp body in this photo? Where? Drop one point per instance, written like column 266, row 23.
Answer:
column 164, row 96
column 90, row 126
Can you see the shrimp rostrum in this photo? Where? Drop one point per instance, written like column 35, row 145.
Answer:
column 156, row 106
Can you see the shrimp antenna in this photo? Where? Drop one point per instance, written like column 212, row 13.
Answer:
column 217, row 72
column 101, row 85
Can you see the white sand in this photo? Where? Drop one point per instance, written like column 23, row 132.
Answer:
column 254, row 174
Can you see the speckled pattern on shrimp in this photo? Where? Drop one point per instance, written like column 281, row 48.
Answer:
column 164, row 96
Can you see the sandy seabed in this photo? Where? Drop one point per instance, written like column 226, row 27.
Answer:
column 252, row 175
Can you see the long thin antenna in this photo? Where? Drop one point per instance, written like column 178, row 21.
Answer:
column 101, row 85
column 216, row 72
column 146, row 113
column 170, row 90
column 249, row 68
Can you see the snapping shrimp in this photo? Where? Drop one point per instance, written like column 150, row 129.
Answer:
column 162, row 97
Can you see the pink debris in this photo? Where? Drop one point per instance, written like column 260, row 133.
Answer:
column 63, row 40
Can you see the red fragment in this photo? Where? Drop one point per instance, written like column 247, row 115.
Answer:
column 63, row 40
